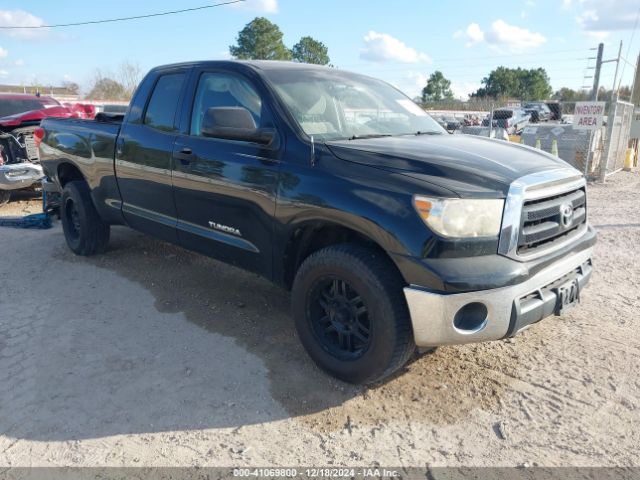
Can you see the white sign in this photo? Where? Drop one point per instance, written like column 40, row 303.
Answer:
column 635, row 124
column 588, row 115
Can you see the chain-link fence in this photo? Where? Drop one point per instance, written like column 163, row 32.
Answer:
column 617, row 138
column 596, row 153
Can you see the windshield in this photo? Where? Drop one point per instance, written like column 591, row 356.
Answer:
column 13, row 106
column 330, row 104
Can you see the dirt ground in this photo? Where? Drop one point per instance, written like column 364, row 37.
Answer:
column 22, row 202
column 151, row 355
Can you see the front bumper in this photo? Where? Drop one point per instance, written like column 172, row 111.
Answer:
column 19, row 175
column 508, row 310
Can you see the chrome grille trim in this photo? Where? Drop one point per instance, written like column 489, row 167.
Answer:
column 533, row 187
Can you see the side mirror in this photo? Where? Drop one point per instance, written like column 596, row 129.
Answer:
column 234, row 123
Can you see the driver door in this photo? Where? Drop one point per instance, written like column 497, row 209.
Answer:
column 225, row 190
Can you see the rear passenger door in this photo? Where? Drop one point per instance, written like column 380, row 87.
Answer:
column 144, row 155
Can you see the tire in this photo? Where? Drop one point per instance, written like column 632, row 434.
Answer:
column 84, row 230
column 5, row 196
column 351, row 315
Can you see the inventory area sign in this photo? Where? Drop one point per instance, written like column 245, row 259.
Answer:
column 588, row 115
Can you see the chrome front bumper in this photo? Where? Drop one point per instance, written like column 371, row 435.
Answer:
column 432, row 314
column 19, row 175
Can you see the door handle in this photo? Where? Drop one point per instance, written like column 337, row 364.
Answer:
column 119, row 147
column 185, row 155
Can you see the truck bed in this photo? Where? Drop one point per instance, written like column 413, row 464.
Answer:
column 81, row 138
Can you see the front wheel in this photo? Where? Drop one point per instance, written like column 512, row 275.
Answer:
column 84, row 230
column 351, row 314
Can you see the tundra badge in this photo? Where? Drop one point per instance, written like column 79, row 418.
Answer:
column 225, row 228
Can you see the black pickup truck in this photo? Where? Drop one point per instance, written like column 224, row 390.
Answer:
column 390, row 233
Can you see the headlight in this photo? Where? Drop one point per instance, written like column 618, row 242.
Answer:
column 460, row 217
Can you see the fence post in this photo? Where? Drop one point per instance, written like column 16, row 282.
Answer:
column 589, row 159
column 611, row 119
column 491, row 121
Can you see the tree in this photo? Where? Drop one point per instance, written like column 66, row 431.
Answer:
column 106, row 88
column 437, row 88
column 119, row 86
column 129, row 76
column 72, row 87
column 519, row 83
column 260, row 40
column 566, row 94
column 310, row 50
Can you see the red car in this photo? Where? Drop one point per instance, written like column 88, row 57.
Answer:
column 20, row 116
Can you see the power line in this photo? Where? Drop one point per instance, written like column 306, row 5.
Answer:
column 633, row 33
column 121, row 19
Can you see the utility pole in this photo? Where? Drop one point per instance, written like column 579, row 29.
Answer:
column 635, row 90
column 611, row 116
column 596, row 73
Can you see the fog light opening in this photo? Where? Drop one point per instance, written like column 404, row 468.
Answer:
column 471, row 318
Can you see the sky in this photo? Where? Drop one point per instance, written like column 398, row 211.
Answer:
column 400, row 41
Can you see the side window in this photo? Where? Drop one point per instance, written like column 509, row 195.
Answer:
column 161, row 112
column 224, row 90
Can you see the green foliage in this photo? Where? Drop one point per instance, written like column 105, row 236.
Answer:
column 604, row 94
column 437, row 88
column 310, row 50
column 106, row 88
column 570, row 95
column 72, row 87
column 519, row 83
column 260, row 39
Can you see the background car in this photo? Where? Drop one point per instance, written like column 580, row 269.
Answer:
column 513, row 120
column 539, row 111
column 451, row 123
column 20, row 115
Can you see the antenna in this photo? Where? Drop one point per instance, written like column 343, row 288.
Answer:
column 313, row 152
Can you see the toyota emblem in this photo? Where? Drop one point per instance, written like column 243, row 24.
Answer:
column 566, row 214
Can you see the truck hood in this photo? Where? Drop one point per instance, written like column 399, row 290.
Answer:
column 59, row 111
column 465, row 164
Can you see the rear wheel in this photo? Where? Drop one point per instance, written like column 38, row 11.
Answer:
column 5, row 196
column 84, row 230
column 351, row 315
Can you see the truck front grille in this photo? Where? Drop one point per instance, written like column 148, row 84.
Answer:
column 32, row 151
column 549, row 220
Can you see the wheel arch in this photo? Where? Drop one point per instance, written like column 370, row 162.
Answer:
column 312, row 235
column 68, row 172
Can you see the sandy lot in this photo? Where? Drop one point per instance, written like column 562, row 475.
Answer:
column 151, row 355
column 22, row 202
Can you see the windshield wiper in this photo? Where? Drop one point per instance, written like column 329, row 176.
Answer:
column 428, row 132
column 371, row 135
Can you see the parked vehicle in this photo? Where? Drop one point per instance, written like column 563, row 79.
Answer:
column 513, row 120
column 472, row 120
column 451, row 123
column 19, row 116
column 389, row 233
column 441, row 121
column 555, row 108
column 539, row 111
column 113, row 108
